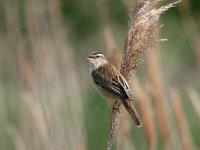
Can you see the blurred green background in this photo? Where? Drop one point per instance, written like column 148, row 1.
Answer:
column 47, row 100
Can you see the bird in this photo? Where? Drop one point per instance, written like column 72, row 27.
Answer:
column 110, row 83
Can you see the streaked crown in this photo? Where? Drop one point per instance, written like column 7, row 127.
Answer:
column 96, row 55
column 96, row 59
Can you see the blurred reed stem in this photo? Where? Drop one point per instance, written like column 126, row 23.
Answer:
column 195, row 99
column 188, row 23
column 158, row 98
column 146, row 110
column 181, row 121
column 46, row 77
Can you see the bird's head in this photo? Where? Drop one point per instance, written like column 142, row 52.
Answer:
column 96, row 60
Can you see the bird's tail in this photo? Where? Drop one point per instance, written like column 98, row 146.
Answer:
column 133, row 112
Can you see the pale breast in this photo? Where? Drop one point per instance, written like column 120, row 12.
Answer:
column 105, row 93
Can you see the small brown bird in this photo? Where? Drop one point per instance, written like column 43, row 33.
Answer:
column 111, row 84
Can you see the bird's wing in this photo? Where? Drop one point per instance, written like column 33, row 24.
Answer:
column 112, row 81
column 124, row 84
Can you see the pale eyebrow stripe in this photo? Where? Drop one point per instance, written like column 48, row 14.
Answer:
column 100, row 55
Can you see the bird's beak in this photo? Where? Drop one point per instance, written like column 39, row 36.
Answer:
column 90, row 57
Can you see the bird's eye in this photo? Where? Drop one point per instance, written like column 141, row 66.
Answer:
column 97, row 56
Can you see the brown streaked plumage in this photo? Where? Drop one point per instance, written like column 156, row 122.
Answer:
column 111, row 84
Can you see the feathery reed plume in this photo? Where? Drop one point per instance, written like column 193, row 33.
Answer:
column 182, row 125
column 146, row 113
column 141, row 35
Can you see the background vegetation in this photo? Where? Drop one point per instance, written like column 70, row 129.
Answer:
column 47, row 100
